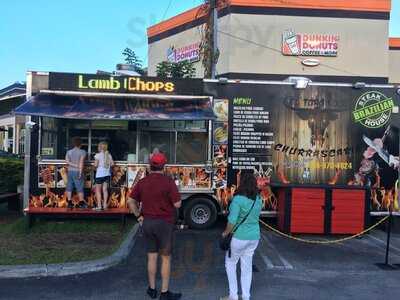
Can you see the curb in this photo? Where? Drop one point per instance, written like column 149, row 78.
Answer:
column 74, row 268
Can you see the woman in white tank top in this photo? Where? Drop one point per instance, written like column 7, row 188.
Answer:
column 103, row 163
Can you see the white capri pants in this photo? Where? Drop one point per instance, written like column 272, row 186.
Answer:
column 243, row 250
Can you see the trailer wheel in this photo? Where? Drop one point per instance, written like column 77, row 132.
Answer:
column 200, row 213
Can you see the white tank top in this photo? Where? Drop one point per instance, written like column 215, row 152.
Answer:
column 103, row 170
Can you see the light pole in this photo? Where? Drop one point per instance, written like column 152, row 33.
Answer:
column 213, row 39
column 27, row 165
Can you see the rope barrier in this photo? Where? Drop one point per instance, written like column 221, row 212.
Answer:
column 324, row 241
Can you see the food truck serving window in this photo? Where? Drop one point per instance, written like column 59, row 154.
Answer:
column 191, row 147
column 184, row 142
column 52, row 145
column 120, row 135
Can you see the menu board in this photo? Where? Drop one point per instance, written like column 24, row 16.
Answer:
column 252, row 136
column 220, row 149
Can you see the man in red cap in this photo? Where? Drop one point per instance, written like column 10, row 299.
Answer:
column 160, row 198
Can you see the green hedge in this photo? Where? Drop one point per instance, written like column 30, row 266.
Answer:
column 11, row 174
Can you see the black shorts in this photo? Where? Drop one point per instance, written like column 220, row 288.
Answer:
column 101, row 180
column 158, row 235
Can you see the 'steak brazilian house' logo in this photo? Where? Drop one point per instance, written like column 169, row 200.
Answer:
column 373, row 109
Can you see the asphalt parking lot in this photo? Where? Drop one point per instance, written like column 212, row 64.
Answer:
column 284, row 269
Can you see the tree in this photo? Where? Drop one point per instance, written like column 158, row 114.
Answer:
column 164, row 69
column 182, row 69
column 132, row 59
column 208, row 51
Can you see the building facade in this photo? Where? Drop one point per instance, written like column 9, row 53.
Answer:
column 12, row 128
column 330, row 40
column 394, row 60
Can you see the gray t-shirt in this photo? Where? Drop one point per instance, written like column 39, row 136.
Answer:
column 74, row 156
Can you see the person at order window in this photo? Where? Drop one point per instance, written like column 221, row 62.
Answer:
column 155, row 151
column 75, row 159
column 103, row 163
column 144, row 155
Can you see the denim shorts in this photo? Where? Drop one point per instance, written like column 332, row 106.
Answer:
column 74, row 181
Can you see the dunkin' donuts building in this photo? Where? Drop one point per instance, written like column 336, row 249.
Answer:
column 329, row 40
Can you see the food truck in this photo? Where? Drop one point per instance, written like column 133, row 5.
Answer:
column 325, row 154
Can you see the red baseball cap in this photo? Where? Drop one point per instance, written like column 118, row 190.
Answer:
column 158, row 160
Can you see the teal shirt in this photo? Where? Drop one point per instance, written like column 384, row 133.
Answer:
column 239, row 208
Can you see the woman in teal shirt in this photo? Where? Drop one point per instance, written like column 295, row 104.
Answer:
column 246, row 236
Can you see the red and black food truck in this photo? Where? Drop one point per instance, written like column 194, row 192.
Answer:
column 325, row 155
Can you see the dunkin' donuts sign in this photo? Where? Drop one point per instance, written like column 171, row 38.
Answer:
column 304, row 44
column 189, row 53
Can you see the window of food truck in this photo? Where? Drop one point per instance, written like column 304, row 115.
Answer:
column 120, row 136
column 191, row 148
column 191, row 125
column 52, row 144
column 76, row 128
column 183, row 142
column 56, row 136
column 164, row 141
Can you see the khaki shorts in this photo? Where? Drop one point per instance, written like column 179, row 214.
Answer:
column 158, row 235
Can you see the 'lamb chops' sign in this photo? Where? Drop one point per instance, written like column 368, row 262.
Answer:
column 124, row 84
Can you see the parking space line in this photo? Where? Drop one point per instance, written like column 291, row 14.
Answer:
column 375, row 245
column 384, row 243
column 286, row 276
column 285, row 263
column 267, row 262
column 283, row 260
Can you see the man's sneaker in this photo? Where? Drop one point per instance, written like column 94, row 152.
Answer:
column 152, row 293
column 170, row 296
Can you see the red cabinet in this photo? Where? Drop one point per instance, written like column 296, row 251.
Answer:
column 307, row 211
column 322, row 210
column 348, row 211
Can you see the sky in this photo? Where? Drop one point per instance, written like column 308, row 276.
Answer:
column 85, row 36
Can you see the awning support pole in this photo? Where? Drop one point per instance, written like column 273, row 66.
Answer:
column 27, row 165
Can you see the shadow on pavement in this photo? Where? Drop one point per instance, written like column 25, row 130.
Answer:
column 285, row 270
